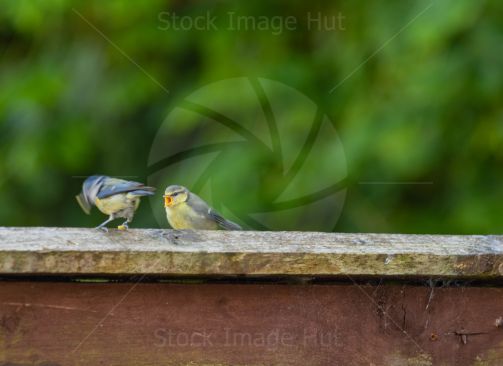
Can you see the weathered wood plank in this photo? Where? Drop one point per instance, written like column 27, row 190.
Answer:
column 168, row 252
column 44, row 323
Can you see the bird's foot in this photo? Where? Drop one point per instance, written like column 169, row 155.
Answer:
column 102, row 228
column 124, row 226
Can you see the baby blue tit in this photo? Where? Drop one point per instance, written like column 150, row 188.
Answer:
column 117, row 198
column 186, row 210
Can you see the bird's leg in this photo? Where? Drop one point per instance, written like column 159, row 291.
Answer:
column 102, row 225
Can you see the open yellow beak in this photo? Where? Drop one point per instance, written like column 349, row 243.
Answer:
column 168, row 200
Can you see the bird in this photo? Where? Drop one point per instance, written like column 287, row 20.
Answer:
column 186, row 210
column 115, row 197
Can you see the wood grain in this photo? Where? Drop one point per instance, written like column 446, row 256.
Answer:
column 167, row 252
column 121, row 324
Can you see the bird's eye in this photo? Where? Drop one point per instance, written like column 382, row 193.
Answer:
column 175, row 194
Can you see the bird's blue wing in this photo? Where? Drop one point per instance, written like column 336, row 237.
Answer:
column 112, row 186
column 142, row 192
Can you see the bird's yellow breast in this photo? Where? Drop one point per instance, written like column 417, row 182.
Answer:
column 116, row 203
column 182, row 216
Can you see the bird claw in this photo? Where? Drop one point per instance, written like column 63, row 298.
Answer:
column 102, row 228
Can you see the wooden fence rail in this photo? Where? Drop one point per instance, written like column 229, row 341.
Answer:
column 60, row 303
column 168, row 252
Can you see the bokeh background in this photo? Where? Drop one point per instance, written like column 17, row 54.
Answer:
column 419, row 99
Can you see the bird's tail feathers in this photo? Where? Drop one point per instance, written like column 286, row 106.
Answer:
column 229, row 225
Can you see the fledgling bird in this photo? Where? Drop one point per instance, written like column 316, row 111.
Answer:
column 186, row 210
column 115, row 197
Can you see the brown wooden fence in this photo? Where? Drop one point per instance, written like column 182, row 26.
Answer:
column 162, row 297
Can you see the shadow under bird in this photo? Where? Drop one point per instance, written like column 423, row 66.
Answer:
column 186, row 210
column 115, row 197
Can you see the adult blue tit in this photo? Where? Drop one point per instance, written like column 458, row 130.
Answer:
column 117, row 198
column 186, row 210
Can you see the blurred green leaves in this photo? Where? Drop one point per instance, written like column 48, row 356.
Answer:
column 426, row 107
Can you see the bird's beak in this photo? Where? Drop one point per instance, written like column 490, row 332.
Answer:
column 168, row 200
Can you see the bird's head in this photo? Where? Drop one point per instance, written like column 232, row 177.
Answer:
column 175, row 195
column 90, row 189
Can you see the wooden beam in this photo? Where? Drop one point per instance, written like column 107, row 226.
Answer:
column 77, row 251
column 145, row 324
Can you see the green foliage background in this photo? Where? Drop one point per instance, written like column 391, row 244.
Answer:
column 427, row 105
